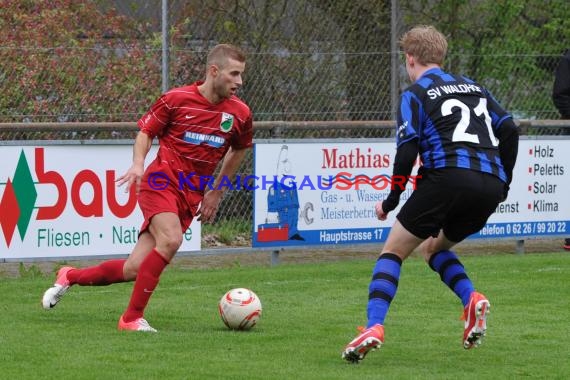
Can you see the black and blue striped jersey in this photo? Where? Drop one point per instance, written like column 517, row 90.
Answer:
column 455, row 121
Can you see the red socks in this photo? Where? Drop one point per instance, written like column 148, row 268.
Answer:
column 108, row 272
column 147, row 280
column 111, row 272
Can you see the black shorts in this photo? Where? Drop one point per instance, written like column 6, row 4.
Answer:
column 457, row 201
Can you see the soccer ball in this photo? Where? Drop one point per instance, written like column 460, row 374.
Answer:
column 240, row 309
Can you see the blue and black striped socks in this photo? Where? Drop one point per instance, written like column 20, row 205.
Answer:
column 452, row 273
column 383, row 287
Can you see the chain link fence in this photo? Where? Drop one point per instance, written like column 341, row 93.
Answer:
column 308, row 60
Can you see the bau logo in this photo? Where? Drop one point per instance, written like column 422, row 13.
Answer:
column 20, row 194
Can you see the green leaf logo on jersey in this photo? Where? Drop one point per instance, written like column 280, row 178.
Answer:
column 227, row 122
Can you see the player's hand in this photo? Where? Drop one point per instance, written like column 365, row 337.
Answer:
column 209, row 206
column 132, row 176
column 380, row 214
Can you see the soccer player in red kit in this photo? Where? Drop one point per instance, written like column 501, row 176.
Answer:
column 197, row 126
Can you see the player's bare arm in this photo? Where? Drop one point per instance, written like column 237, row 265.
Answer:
column 141, row 148
column 212, row 197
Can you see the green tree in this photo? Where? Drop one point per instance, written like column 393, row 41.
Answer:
column 510, row 46
column 66, row 61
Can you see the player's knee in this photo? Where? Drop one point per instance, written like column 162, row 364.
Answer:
column 427, row 248
column 173, row 245
column 130, row 271
column 170, row 242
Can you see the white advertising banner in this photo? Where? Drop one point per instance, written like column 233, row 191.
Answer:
column 319, row 193
column 62, row 201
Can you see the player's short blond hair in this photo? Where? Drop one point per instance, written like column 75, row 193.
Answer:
column 425, row 43
column 221, row 53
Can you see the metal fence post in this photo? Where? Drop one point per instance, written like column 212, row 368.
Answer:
column 394, row 58
column 165, row 47
column 520, row 247
column 274, row 258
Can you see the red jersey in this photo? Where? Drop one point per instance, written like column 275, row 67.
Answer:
column 194, row 134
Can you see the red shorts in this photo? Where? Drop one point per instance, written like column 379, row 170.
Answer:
column 152, row 202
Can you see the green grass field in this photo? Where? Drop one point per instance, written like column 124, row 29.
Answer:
column 310, row 311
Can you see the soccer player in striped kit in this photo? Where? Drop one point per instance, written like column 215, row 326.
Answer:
column 197, row 126
column 468, row 146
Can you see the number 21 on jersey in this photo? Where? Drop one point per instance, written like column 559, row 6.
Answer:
column 460, row 132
